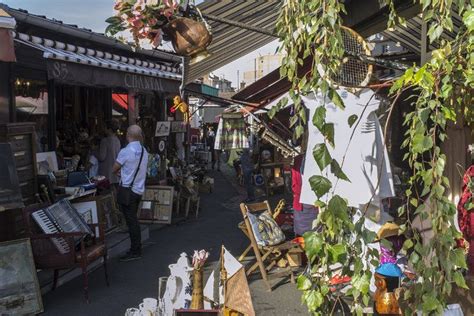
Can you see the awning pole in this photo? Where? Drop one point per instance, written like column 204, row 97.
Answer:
column 240, row 25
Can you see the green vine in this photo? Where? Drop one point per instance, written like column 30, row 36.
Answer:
column 443, row 87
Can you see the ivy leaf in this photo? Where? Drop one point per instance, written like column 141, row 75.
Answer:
column 430, row 303
column 313, row 243
column 468, row 19
column 319, row 117
column 299, row 131
column 338, row 207
column 458, row 258
column 421, row 143
column 435, row 32
column 303, row 283
column 337, row 253
column 336, row 99
column 424, row 114
column 352, row 119
column 314, row 299
column 337, row 171
column 322, row 156
column 328, row 132
column 320, row 185
column 459, row 279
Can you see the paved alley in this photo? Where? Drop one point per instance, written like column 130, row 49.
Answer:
column 131, row 282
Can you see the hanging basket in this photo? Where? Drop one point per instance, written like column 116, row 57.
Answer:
column 189, row 37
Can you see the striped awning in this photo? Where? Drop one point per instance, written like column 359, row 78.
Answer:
column 409, row 36
column 80, row 55
column 230, row 42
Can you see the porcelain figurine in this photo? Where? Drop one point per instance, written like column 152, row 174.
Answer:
column 178, row 287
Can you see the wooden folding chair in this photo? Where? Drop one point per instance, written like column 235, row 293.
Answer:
column 243, row 228
column 267, row 256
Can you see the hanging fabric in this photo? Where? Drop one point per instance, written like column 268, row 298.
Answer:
column 365, row 156
column 231, row 132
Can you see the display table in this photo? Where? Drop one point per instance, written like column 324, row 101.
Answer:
column 273, row 176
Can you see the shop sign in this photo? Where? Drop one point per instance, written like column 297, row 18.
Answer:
column 142, row 82
column 162, row 128
column 178, row 127
column 84, row 75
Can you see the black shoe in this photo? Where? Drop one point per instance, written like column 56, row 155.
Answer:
column 129, row 256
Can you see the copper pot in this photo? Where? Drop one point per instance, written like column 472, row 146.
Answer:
column 189, row 37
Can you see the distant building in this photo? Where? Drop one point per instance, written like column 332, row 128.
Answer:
column 224, row 89
column 262, row 66
column 220, row 83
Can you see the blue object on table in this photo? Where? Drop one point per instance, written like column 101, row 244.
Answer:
column 389, row 270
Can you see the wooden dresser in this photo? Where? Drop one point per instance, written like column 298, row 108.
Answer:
column 22, row 139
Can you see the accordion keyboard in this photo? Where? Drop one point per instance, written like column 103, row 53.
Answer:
column 49, row 227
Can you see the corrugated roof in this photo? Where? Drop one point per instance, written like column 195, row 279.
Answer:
column 230, row 42
column 409, row 36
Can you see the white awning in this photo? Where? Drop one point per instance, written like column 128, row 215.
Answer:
column 77, row 54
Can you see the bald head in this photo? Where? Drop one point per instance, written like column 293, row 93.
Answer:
column 134, row 133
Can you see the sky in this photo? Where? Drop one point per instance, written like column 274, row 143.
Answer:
column 91, row 14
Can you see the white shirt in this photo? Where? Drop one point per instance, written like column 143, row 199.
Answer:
column 366, row 158
column 128, row 158
column 94, row 169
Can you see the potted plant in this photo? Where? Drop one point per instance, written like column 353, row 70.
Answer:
column 155, row 19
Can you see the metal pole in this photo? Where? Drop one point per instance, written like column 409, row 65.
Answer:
column 240, row 25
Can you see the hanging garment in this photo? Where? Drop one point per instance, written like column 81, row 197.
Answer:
column 296, row 182
column 231, row 132
column 466, row 216
column 365, row 156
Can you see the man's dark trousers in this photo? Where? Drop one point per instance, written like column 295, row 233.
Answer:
column 130, row 214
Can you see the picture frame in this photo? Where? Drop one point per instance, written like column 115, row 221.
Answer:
column 20, row 293
column 87, row 208
column 107, row 209
column 162, row 128
column 156, row 205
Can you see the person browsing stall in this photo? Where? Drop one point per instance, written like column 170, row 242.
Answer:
column 108, row 151
column 132, row 165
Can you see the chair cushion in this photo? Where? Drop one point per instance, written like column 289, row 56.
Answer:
column 92, row 253
column 265, row 229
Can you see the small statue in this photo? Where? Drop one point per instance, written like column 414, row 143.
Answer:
column 182, row 106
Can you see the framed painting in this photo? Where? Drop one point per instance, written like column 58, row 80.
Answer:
column 107, row 209
column 20, row 293
column 156, row 205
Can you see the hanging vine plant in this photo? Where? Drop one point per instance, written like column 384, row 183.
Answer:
column 443, row 87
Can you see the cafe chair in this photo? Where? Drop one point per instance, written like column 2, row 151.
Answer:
column 79, row 255
column 267, row 242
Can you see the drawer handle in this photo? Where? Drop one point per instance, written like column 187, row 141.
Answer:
column 19, row 153
column 20, row 137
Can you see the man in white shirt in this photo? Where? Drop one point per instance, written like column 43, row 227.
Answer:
column 132, row 164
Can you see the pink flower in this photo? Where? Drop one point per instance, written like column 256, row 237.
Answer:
column 118, row 5
column 139, row 5
column 152, row 21
column 135, row 22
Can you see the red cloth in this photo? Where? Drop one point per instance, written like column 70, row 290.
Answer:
column 296, row 182
column 466, row 217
